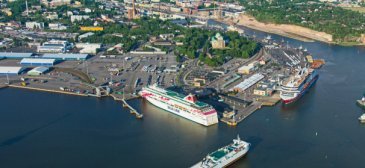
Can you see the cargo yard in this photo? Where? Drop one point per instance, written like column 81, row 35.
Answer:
column 83, row 75
column 127, row 72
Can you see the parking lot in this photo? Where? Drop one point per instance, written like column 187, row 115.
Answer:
column 128, row 72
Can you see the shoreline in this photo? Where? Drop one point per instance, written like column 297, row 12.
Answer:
column 291, row 31
column 138, row 115
column 116, row 98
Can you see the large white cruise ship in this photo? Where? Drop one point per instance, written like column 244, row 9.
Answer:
column 298, row 84
column 184, row 106
column 225, row 156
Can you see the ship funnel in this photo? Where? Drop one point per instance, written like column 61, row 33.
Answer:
column 191, row 98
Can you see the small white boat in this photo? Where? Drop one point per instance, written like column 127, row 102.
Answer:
column 361, row 102
column 362, row 118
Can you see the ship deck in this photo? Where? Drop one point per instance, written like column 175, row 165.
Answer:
column 180, row 97
column 221, row 153
column 297, row 81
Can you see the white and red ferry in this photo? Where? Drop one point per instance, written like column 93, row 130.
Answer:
column 185, row 106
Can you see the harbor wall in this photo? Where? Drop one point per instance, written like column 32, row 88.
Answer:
column 47, row 90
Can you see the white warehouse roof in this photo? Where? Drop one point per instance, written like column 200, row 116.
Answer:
column 39, row 70
column 10, row 70
column 15, row 55
column 37, row 61
column 249, row 81
column 66, row 56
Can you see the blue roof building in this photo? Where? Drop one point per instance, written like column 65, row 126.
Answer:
column 37, row 62
column 67, row 56
column 13, row 55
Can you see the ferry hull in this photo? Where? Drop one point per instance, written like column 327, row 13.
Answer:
column 302, row 93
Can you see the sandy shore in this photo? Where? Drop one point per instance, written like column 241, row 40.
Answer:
column 292, row 31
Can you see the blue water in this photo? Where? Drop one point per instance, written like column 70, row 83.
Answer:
column 40, row 129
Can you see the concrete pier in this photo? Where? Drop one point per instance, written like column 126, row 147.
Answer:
column 270, row 101
column 132, row 110
column 126, row 105
column 3, row 86
column 240, row 115
column 47, row 90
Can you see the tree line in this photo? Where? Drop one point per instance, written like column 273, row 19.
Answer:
column 344, row 25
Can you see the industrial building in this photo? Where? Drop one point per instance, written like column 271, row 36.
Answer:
column 38, row 71
column 247, row 83
column 37, row 62
column 50, row 49
column 13, row 55
column 88, row 48
column 9, row 70
column 54, row 46
column 247, row 69
column 265, row 88
column 68, row 56
column 85, row 35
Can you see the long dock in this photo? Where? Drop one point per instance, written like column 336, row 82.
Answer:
column 132, row 110
column 270, row 101
column 240, row 115
column 47, row 90
column 125, row 104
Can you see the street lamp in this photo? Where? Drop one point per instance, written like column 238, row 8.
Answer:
column 87, row 68
column 7, row 77
column 123, row 94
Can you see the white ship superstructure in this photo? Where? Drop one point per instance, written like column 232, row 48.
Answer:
column 184, row 106
column 298, row 84
column 225, row 156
